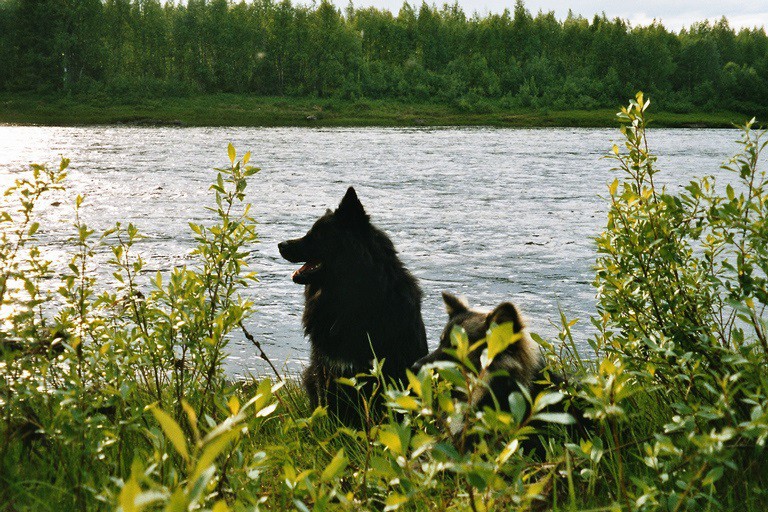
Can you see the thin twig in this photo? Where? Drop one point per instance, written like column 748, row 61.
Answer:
column 262, row 354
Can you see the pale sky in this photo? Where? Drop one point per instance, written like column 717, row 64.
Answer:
column 673, row 14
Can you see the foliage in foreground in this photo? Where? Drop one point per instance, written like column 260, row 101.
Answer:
column 113, row 394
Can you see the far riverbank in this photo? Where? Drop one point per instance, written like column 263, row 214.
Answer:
column 245, row 110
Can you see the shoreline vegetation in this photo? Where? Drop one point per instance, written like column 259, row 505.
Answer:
column 276, row 111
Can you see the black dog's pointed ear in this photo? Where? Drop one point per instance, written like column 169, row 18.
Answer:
column 454, row 305
column 506, row 312
column 351, row 209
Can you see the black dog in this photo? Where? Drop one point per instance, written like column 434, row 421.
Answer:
column 360, row 303
column 520, row 365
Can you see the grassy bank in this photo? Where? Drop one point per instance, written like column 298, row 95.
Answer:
column 244, row 110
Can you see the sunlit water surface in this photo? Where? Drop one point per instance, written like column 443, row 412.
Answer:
column 492, row 214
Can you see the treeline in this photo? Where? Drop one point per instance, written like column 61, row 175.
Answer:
column 148, row 48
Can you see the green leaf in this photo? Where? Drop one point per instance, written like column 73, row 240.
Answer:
column 172, row 431
column 150, row 497
column 459, row 337
column 518, row 405
column 336, row 467
column 346, row 381
column 713, row 475
column 266, row 411
column 451, row 373
column 561, row 418
column 197, row 486
column 300, row 506
column 477, row 480
column 544, row 400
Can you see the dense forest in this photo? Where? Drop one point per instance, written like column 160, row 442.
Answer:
column 149, row 48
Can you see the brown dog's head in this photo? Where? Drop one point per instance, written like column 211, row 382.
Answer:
column 521, row 360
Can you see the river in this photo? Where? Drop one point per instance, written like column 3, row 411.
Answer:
column 491, row 214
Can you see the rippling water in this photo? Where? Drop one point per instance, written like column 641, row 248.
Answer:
column 493, row 214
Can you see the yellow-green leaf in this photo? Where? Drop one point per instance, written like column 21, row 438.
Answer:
column 262, row 396
column 172, row 431
column 392, row 441
column 407, row 402
column 500, row 337
column 128, row 495
column 231, row 152
column 336, row 466
column 446, row 404
column 213, row 450
column 421, row 439
column 613, row 187
column 394, row 501
column 178, row 502
column 234, row 404
column 346, row 381
column 220, row 506
column 289, row 472
column 414, row 382
column 192, row 417
column 508, row 451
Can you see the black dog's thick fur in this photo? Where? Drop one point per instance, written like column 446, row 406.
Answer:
column 360, row 302
column 521, row 364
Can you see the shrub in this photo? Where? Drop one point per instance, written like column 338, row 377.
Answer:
column 83, row 366
column 681, row 282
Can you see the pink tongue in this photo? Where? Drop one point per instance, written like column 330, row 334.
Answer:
column 310, row 265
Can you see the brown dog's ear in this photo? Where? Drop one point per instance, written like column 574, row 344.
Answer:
column 503, row 313
column 454, row 305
